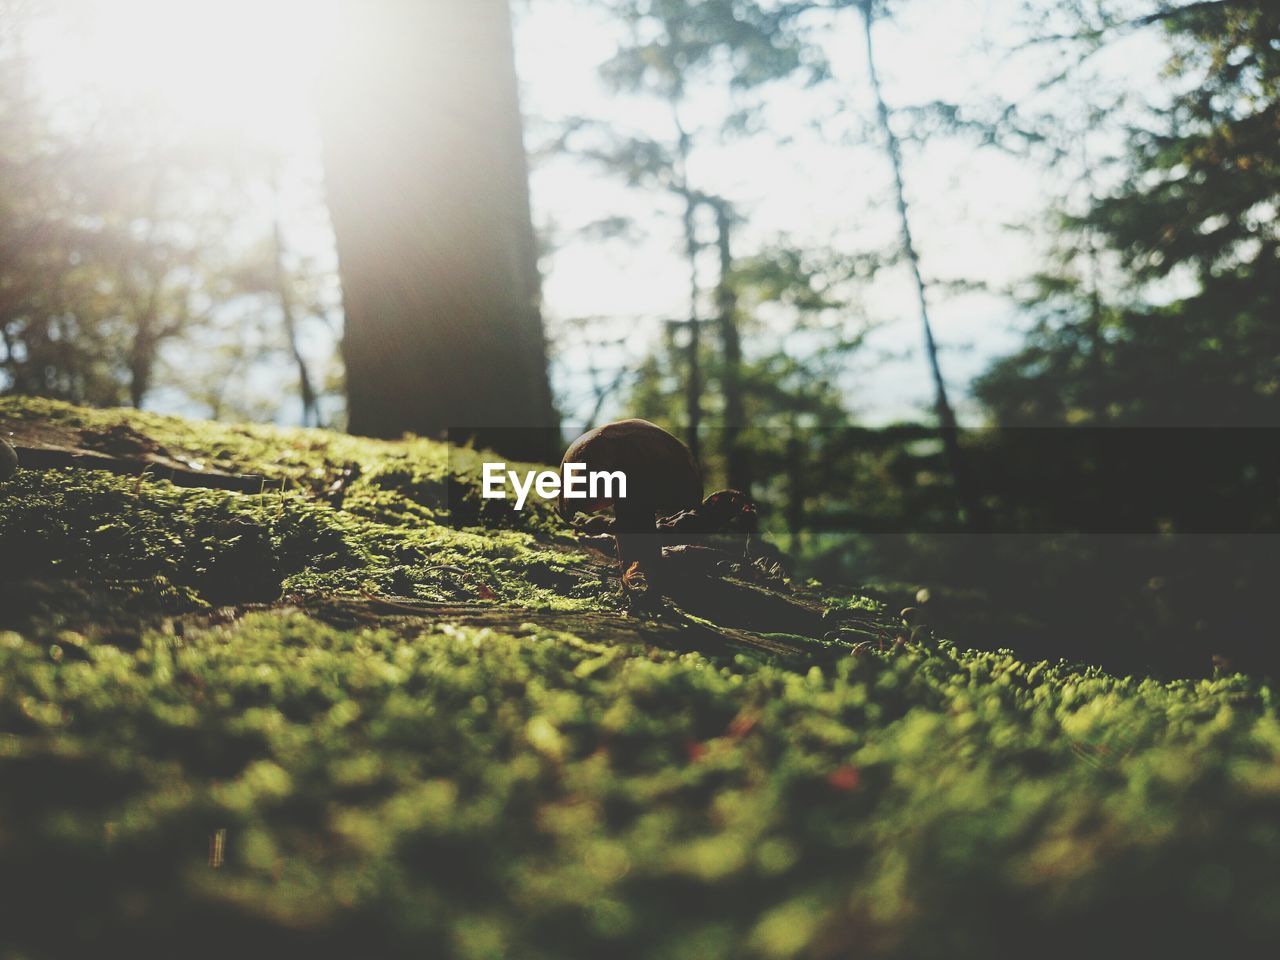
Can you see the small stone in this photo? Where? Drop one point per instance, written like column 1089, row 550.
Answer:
column 8, row 460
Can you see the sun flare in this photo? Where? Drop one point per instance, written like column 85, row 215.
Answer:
column 242, row 66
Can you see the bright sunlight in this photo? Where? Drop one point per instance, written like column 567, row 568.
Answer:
column 231, row 65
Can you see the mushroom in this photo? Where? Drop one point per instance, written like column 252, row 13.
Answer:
column 8, row 460
column 661, row 478
column 725, row 511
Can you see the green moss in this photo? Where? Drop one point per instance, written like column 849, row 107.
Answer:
column 470, row 793
column 411, row 525
column 418, row 790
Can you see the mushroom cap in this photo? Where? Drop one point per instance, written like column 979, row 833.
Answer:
column 660, row 470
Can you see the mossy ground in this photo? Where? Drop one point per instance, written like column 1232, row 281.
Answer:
column 412, row 525
column 415, row 788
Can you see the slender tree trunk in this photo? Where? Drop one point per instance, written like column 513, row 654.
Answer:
column 693, row 383
column 145, row 346
column 289, row 318
column 948, row 428
column 428, row 191
column 737, row 460
column 1098, row 399
column 139, row 377
column 796, row 468
column 306, row 389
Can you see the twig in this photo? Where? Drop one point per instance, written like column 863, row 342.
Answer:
column 53, row 458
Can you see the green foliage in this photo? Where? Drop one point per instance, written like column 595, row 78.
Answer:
column 411, row 790
column 1196, row 208
column 123, row 238
column 675, row 51
column 796, row 313
column 675, row 40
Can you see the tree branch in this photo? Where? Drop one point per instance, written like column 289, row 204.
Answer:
column 1161, row 15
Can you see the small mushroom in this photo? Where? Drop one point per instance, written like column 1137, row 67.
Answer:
column 725, row 511
column 8, row 460
column 661, row 478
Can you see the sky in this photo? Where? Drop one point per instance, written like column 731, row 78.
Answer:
column 817, row 178
column 975, row 212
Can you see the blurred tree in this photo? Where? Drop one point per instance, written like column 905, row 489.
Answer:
column 114, row 242
column 794, row 19
column 948, row 428
column 286, row 286
column 1160, row 310
column 1194, row 215
column 157, row 258
column 48, row 347
column 795, row 308
column 672, row 51
column 428, row 191
column 738, row 469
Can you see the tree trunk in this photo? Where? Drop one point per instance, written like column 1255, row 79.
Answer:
column 288, row 315
column 693, row 383
column 428, row 192
column 140, row 362
column 306, row 388
column 737, row 459
column 689, row 221
column 145, row 345
column 948, row 429
column 797, row 467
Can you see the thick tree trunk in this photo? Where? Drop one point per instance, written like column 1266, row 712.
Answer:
column 428, row 191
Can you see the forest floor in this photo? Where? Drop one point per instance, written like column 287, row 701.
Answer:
column 292, row 690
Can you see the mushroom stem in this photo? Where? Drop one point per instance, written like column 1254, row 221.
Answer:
column 636, row 530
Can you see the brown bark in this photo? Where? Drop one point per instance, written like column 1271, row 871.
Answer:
column 428, row 191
